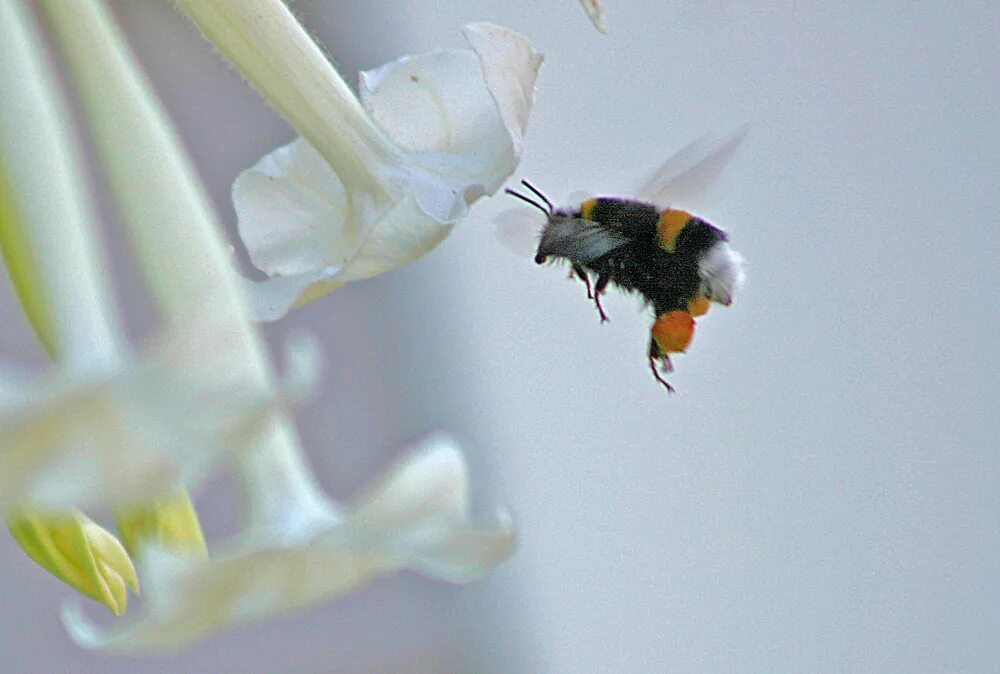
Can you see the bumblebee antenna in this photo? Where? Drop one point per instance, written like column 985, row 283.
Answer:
column 539, row 194
column 528, row 200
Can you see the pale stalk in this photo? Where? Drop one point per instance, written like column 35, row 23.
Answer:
column 57, row 262
column 58, row 273
column 272, row 50
column 61, row 278
column 177, row 237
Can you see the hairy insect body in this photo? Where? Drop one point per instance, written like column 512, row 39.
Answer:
column 677, row 262
column 666, row 279
column 659, row 262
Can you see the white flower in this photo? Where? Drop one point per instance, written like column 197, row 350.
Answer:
column 214, row 381
column 416, row 518
column 453, row 122
column 62, row 439
column 103, row 427
column 160, row 422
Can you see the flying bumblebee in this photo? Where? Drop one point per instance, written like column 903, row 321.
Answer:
column 677, row 262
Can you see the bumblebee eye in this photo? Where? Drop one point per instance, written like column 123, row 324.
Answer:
column 540, row 259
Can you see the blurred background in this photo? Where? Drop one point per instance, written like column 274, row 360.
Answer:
column 821, row 493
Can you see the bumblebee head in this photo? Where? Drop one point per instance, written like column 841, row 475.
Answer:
column 560, row 237
column 549, row 210
column 570, row 233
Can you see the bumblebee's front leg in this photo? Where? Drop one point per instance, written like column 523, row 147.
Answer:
column 671, row 333
column 581, row 273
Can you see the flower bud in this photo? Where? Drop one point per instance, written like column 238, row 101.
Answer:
column 79, row 552
column 170, row 523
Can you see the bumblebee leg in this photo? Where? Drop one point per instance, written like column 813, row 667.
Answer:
column 581, row 274
column 671, row 333
column 599, row 287
column 665, row 367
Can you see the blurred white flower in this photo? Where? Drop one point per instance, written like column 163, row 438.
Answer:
column 76, row 440
column 99, row 429
column 104, row 426
column 212, row 384
column 416, row 518
column 439, row 131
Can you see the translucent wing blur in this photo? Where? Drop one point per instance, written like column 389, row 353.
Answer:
column 578, row 240
column 687, row 173
column 517, row 229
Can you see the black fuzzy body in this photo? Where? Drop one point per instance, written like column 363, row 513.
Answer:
column 665, row 280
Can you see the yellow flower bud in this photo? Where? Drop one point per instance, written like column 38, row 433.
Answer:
column 171, row 523
column 79, row 552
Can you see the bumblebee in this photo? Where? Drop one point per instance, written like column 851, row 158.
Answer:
column 677, row 262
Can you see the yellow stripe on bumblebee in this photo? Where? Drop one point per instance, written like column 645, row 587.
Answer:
column 670, row 225
column 587, row 209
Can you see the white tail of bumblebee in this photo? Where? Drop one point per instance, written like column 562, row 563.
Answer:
column 722, row 273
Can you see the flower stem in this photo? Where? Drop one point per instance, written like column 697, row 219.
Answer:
column 162, row 201
column 45, row 214
column 272, row 50
column 58, row 271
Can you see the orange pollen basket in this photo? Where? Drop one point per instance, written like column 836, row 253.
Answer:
column 699, row 306
column 670, row 225
column 673, row 331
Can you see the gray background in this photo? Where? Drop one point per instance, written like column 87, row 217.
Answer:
column 820, row 495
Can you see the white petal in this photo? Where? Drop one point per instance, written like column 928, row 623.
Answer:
column 298, row 227
column 510, row 66
column 295, row 232
column 429, row 488
column 460, row 118
column 137, row 434
column 77, row 443
column 463, row 554
column 271, row 299
column 417, row 517
column 461, row 113
column 288, row 204
column 421, row 509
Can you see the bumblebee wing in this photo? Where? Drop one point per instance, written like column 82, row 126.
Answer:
column 687, row 173
column 578, row 240
column 517, row 231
